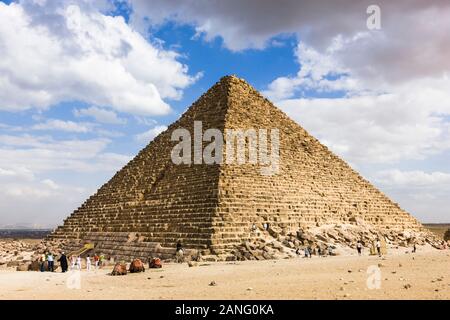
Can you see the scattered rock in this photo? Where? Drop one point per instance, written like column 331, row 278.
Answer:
column 212, row 284
column 407, row 286
column 192, row 264
column 22, row 267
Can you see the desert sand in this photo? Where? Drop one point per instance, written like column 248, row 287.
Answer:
column 423, row 275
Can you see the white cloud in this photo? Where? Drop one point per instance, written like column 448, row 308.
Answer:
column 99, row 114
column 29, row 200
column 149, row 135
column 41, row 154
column 43, row 180
column 410, row 123
column 425, row 194
column 416, row 178
column 53, row 53
column 314, row 74
column 50, row 183
column 70, row 126
column 413, row 40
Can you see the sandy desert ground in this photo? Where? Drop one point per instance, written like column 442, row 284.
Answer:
column 423, row 275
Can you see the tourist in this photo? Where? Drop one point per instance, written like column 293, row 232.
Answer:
column 310, row 251
column 102, row 258
column 43, row 259
column 414, row 248
column 319, row 251
column 63, row 262
column 330, row 251
column 88, row 263
column 359, row 248
column 179, row 252
column 306, row 252
column 73, row 261
column 96, row 261
column 378, row 246
column 79, row 263
column 50, row 262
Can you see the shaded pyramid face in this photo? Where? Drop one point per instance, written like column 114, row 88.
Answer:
column 217, row 207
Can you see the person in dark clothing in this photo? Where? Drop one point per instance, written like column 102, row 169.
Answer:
column 63, row 262
column 359, row 247
column 179, row 253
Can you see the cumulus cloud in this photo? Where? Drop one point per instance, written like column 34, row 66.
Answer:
column 44, row 179
column 410, row 123
column 71, row 51
column 27, row 200
column 413, row 39
column 149, row 135
column 423, row 193
column 61, row 125
column 99, row 114
column 44, row 154
column 415, row 178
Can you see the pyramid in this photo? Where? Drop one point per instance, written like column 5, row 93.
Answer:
column 151, row 203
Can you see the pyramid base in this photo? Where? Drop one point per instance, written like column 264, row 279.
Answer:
column 274, row 243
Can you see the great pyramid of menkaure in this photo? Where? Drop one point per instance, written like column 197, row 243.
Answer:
column 214, row 209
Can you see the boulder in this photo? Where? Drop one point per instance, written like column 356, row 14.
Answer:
column 120, row 269
column 13, row 264
column 447, row 235
column 137, row 266
column 192, row 264
column 34, row 266
column 274, row 231
column 22, row 267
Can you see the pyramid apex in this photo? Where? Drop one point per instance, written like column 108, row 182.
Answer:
column 232, row 78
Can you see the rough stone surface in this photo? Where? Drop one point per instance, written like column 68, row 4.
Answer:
column 221, row 210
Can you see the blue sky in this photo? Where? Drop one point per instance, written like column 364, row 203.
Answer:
column 84, row 85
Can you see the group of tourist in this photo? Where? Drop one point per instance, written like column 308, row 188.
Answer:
column 47, row 262
column 310, row 251
column 376, row 245
column 76, row 262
